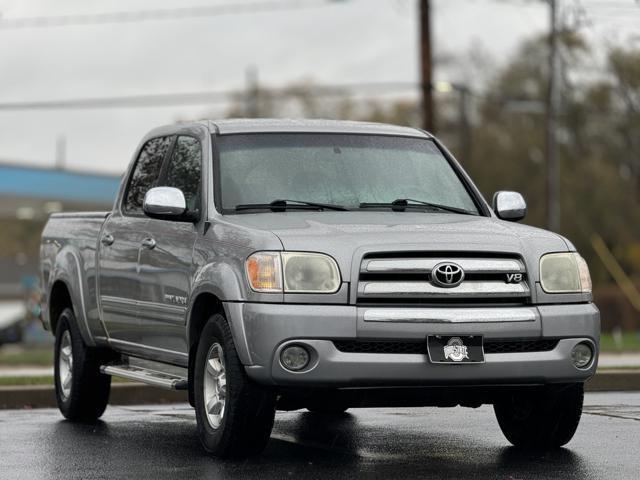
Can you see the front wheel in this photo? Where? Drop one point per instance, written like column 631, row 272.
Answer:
column 82, row 392
column 546, row 418
column 234, row 415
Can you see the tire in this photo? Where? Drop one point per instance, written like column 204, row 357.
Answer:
column 545, row 419
column 82, row 396
column 240, row 425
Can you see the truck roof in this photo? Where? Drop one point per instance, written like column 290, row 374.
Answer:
column 269, row 125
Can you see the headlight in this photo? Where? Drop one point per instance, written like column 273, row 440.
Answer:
column 564, row 273
column 293, row 272
column 310, row 273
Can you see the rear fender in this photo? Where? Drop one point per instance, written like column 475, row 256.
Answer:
column 69, row 270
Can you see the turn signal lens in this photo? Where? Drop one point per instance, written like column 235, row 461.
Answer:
column 264, row 272
column 585, row 276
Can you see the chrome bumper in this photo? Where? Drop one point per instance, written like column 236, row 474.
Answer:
column 449, row 315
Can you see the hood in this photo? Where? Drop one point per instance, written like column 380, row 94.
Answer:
column 346, row 236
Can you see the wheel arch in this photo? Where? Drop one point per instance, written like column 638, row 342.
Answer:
column 66, row 287
column 206, row 302
column 59, row 299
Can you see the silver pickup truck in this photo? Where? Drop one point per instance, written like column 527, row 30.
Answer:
column 267, row 264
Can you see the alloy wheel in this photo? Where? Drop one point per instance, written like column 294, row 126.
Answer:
column 65, row 365
column 215, row 386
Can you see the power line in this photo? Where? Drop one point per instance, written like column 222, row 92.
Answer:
column 611, row 4
column 179, row 13
column 360, row 90
column 618, row 10
column 201, row 98
column 130, row 101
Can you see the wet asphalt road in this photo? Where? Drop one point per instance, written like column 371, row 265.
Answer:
column 159, row 442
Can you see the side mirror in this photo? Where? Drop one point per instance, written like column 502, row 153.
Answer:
column 509, row 206
column 166, row 203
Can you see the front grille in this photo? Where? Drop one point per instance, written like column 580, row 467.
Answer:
column 520, row 347
column 411, row 278
column 490, row 346
column 381, row 347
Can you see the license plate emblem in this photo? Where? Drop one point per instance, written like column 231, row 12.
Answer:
column 455, row 349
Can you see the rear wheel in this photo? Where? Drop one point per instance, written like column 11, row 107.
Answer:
column 82, row 392
column 234, row 415
column 544, row 419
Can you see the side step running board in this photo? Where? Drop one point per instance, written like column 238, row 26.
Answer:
column 150, row 377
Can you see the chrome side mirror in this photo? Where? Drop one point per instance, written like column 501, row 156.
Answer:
column 165, row 203
column 509, row 206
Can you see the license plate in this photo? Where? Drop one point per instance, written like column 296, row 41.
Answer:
column 455, row 348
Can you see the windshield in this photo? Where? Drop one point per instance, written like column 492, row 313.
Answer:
column 336, row 169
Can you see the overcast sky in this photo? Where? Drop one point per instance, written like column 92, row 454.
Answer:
column 346, row 42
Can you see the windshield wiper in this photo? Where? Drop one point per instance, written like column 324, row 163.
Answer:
column 282, row 205
column 400, row 204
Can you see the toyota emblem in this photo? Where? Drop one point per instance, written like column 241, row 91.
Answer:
column 447, row 275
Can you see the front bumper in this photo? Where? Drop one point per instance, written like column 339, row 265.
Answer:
column 262, row 330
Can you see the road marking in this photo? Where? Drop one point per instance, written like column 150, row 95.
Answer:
column 626, row 412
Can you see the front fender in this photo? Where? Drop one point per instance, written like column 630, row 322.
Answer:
column 219, row 279
column 222, row 281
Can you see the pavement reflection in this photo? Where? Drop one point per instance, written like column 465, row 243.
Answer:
column 160, row 442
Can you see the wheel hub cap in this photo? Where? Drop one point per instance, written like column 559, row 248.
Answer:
column 65, row 365
column 215, row 385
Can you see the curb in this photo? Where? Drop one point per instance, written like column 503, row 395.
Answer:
column 139, row 394
column 614, row 381
column 43, row 396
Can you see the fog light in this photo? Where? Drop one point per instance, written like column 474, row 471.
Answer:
column 582, row 355
column 294, row 358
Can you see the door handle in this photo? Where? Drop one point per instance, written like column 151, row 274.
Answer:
column 107, row 239
column 149, row 243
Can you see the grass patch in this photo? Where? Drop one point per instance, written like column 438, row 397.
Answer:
column 34, row 356
column 20, row 381
column 627, row 368
column 630, row 343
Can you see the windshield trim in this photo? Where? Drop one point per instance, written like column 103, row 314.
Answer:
column 477, row 198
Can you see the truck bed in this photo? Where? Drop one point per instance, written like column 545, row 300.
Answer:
column 71, row 239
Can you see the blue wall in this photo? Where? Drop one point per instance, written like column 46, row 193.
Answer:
column 57, row 184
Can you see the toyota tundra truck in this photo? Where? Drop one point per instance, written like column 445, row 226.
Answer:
column 267, row 265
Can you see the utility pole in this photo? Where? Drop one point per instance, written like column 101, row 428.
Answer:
column 465, row 125
column 552, row 101
column 61, row 152
column 252, row 97
column 426, row 67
